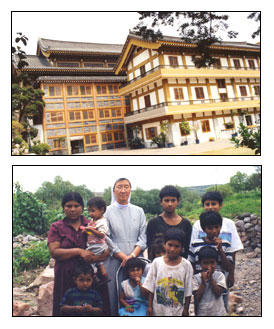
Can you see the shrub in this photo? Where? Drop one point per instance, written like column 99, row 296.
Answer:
column 32, row 257
column 40, row 148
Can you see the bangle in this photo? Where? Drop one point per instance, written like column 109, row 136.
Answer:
column 133, row 255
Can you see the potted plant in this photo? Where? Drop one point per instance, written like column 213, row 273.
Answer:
column 195, row 127
column 185, row 128
column 134, row 141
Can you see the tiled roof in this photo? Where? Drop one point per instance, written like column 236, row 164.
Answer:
column 37, row 62
column 240, row 44
column 71, row 46
column 82, row 78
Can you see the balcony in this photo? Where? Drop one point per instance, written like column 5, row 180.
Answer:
column 191, row 106
column 187, row 71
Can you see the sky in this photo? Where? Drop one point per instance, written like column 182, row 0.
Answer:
column 97, row 178
column 100, row 27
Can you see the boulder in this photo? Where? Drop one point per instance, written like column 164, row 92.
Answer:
column 45, row 298
column 46, row 276
column 20, row 308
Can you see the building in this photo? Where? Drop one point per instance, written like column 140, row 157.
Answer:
column 164, row 86
column 84, row 110
column 96, row 95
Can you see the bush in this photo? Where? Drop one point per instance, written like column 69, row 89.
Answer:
column 32, row 257
column 40, row 148
column 27, row 213
column 17, row 139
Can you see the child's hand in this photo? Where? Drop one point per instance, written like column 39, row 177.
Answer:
column 149, row 311
column 130, row 309
column 218, row 242
column 88, row 308
column 204, row 276
column 138, row 281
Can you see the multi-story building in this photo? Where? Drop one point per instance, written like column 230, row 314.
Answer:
column 84, row 110
column 164, row 86
column 96, row 93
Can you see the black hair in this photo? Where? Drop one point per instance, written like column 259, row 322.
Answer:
column 206, row 253
column 119, row 180
column 158, row 244
column 212, row 195
column 134, row 262
column 208, row 218
column 72, row 196
column 175, row 234
column 97, row 202
column 169, row 190
column 83, row 268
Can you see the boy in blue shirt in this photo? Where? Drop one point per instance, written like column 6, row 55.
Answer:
column 82, row 300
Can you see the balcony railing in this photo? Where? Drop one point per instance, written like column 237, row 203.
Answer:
column 186, row 67
column 191, row 102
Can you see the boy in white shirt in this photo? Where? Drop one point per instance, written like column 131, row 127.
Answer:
column 169, row 280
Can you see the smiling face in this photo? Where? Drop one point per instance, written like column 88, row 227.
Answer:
column 212, row 205
column 212, row 231
column 122, row 191
column 73, row 210
column 169, row 203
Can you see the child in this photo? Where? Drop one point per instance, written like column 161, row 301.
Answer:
column 169, row 280
column 97, row 231
column 169, row 198
column 158, row 247
column 82, row 300
column 211, row 223
column 133, row 296
column 208, row 285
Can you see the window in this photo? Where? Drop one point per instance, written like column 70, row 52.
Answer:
column 251, row 64
column 85, row 90
column 237, row 64
column 147, row 101
column 88, row 115
column 243, row 91
column 93, row 64
column 107, row 137
column 173, row 61
column 223, row 97
column 205, row 126
column 101, row 90
column 143, row 70
column 217, row 63
column 57, row 143
column 199, row 93
column 74, row 115
column 248, row 120
column 257, row 90
column 52, row 90
column 68, row 64
column 229, row 125
column 90, row 139
column 151, row 132
column 72, row 90
column 178, row 93
column 56, row 116
column 220, row 83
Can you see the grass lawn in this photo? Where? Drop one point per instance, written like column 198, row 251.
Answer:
column 229, row 151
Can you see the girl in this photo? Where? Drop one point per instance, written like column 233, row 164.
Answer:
column 133, row 296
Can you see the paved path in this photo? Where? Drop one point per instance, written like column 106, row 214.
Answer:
column 178, row 150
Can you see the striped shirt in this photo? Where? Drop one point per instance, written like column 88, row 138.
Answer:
column 76, row 297
column 197, row 244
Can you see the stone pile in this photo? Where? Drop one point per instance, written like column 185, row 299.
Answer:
column 250, row 230
column 23, row 240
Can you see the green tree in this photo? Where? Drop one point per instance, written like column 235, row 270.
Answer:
column 239, row 182
column 225, row 190
column 27, row 213
column 52, row 193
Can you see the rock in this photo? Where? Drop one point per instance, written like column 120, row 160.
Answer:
column 240, row 310
column 258, row 228
column 248, row 226
column 45, row 297
column 252, row 254
column 46, row 276
column 247, row 220
column 245, row 214
column 235, row 299
column 19, row 308
column 240, row 225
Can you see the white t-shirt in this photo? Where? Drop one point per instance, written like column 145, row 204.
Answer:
column 210, row 305
column 228, row 232
column 170, row 285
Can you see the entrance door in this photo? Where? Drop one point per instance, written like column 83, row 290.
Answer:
column 77, row 146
